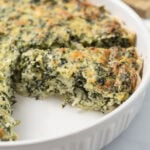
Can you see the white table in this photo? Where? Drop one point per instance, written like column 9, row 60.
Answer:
column 137, row 136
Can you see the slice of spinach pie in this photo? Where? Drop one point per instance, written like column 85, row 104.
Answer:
column 91, row 78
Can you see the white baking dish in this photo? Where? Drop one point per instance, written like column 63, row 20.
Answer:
column 46, row 126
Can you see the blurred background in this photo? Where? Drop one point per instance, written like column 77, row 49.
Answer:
column 142, row 7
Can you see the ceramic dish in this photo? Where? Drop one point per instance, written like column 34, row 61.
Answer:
column 44, row 125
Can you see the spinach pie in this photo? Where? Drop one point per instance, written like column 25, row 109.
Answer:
column 66, row 48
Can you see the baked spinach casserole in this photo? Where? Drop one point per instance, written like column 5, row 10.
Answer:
column 66, row 48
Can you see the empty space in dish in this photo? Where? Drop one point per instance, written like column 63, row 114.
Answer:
column 47, row 119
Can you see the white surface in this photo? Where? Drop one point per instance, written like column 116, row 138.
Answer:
column 46, row 118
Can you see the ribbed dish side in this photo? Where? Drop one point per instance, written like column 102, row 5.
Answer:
column 102, row 137
column 115, row 129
